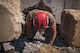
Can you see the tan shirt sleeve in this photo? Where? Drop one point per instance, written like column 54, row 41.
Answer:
column 28, row 17
column 52, row 19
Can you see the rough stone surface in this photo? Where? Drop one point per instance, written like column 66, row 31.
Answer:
column 70, row 27
column 48, row 49
column 10, row 20
column 7, row 46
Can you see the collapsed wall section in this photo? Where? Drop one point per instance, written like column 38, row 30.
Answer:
column 70, row 27
column 10, row 20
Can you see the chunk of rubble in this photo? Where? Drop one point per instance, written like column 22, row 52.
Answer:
column 46, row 48
column 10, row 20
column 70, row 27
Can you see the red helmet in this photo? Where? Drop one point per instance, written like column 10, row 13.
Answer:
column 40, row 20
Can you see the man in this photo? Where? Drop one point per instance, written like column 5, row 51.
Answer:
column 40, row 19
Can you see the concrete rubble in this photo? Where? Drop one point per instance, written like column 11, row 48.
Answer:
column 24, row 46
column 10, row 20
column 70, row 27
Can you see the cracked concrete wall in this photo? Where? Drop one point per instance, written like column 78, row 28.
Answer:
column 72, row 4
column 10, row 20
column 55, row 5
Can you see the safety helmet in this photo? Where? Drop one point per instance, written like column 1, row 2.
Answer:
column 40, row 20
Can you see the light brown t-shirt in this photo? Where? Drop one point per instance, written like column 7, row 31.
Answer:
column 51, row 17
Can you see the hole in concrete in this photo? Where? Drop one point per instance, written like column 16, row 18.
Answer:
column 6, row 26
column 58, row 41
column 39, row 5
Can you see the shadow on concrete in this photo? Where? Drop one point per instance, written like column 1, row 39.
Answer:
column 20, row 43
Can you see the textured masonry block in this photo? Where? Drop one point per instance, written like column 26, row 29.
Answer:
column 10, row 20
column 70, row 27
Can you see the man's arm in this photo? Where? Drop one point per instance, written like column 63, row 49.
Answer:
column 28, row 26
column 54, row 32
column 53, row 28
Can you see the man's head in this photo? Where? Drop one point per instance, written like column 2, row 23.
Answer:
column 40, row 20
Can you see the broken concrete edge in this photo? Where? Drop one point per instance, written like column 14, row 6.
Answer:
column 72, row 12
column 16, row 18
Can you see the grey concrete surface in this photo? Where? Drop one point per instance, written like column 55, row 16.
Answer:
column 55, row 5
column 72, row 4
